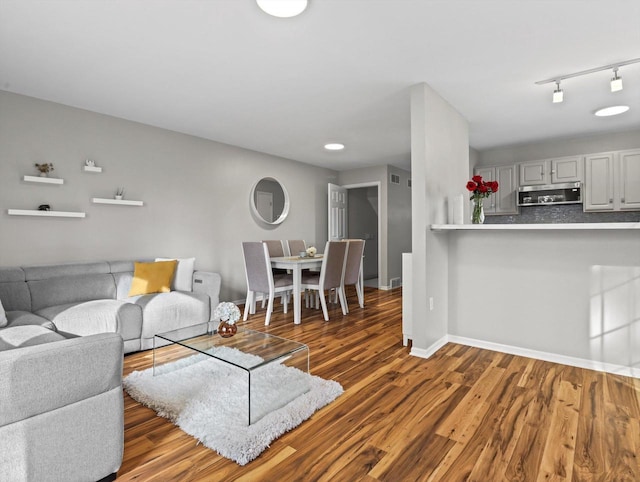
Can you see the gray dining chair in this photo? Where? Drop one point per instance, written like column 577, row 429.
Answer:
column 353, row 270
column 330, row 275
column 296, row 246
column 260, row 279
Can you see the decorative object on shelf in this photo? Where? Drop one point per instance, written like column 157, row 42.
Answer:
column 44, row 169
column 311, row 251
column 228, row 314
column 479, row 190
column 44, row 207
column 119, row 193
column 90, row 166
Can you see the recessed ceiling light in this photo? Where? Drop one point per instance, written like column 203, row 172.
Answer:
column 334, row 146
column 283, row 8
column 613, row 110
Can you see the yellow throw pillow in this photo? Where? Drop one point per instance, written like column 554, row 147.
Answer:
column 152, row 277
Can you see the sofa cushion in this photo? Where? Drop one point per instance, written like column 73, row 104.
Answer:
column 63, row 270
column 22, row 318
column 71, row 289
column 3, row 316
column 183, row 277
column 169, row 311
column 152, row 277
column 96, row 316
column 13, row 337
column 15, row 296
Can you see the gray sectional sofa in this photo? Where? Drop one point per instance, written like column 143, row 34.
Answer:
column 61, row 352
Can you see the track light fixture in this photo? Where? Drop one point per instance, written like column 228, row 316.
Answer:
column 558, row 95
column 616, row 81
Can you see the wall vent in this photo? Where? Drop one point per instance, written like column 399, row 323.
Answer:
column 395, row 179
column 408, row 182
column 395, row 282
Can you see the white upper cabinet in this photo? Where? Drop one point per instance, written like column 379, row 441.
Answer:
column 504, row 201
column 629, row 179
column 551, row 171
column 534, row 172
column 566, row 169
column 598, row 182
column 612, row 181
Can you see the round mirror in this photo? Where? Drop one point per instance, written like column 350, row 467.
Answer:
column 269, row 201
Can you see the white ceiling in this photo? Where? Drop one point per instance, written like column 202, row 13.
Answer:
column 224, row 70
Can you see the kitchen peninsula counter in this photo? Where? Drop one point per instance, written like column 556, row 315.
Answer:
column 535, row 227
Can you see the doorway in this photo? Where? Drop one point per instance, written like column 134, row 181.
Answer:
column 354, row 212
column 362, row 223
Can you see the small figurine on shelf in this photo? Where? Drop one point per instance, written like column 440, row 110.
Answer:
column 90, row 163
column 119, row 193
column 44, row 168
column 44, row 207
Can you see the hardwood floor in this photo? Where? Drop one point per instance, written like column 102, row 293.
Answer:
column 466, row 414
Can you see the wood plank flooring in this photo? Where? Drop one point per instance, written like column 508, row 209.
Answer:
column 464, row 415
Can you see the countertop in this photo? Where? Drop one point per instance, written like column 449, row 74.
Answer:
column 536, row 227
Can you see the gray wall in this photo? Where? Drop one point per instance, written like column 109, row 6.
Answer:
column 196, row 192
column 560, row 147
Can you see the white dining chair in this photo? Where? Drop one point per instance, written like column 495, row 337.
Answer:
column 260, row 279
column 353, row 270
column 330, row 275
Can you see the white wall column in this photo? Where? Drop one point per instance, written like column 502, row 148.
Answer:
column 439, row 166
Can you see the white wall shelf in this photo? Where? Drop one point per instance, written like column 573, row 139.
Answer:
column 35, row 212
column 92, row 168
column 44, row 180
column 122, row 202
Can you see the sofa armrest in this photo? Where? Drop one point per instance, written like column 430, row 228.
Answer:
column 42, row 378
column 208, row 283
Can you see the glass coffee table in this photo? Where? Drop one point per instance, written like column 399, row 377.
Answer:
column 259, row 359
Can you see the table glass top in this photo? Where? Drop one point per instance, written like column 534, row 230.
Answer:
column 268, row 347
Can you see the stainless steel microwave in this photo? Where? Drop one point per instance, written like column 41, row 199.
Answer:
column 567, row 193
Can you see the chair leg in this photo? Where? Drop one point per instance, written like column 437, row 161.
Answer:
column 267, row 318
column 343, row 295
column 343, row 300
column 247, row 305
column 323, row 302
column 264, row 299
column 360, row 292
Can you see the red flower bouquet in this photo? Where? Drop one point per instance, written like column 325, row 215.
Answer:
column 479, row 190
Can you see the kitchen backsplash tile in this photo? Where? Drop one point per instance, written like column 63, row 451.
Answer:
column 562, row 213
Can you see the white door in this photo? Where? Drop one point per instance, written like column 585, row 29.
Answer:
column 337, row 212
column 264, row 205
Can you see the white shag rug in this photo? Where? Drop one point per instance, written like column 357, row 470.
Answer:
column 208, row 400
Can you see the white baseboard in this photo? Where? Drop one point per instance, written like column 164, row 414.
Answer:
column 422, row 353
column 633, row 372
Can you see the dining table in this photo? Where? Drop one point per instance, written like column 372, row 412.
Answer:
column 296, row 264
